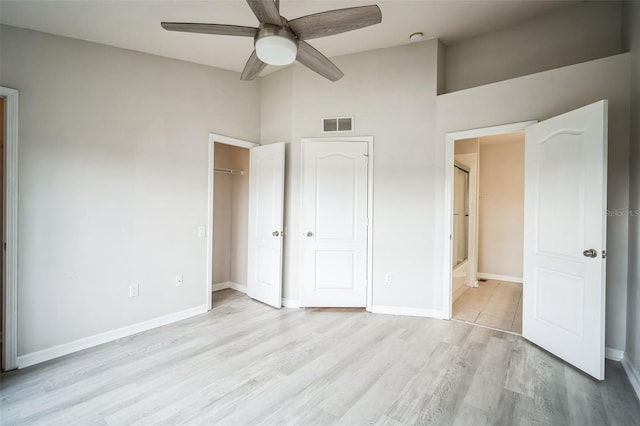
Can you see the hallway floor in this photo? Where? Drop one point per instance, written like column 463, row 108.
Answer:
column 495, row 304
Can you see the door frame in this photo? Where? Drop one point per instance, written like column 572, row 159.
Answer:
column 227, row 140
column 10, row 276
column 450, row 138
column 369, row 271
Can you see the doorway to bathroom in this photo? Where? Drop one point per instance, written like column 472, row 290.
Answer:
column 488, row 231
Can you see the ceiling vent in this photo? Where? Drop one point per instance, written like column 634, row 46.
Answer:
column 337, row 125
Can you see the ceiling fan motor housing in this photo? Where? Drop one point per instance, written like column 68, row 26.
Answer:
column 276, row 45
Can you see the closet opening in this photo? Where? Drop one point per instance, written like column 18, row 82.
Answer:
column 230, row 221
column 488, row 231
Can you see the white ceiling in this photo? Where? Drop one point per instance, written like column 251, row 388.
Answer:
column 135, row 25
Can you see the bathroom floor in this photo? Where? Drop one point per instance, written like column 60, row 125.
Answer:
column 495, row 304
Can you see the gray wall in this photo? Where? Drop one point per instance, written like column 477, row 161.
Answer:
column 576, row 33
column 538, row 97
column 113, row 181
column 391, row 92
column 632, row 13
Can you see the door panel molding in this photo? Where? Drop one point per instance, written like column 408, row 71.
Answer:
column 265, row 231
column 370, row 184
column 564, row 294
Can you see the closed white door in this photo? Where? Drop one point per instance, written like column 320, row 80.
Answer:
column 565, row 236
column 334, row 225
column 266, row 202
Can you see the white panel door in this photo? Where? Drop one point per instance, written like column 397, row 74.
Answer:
column 266, row 201
column 334, row 225
column 565, row 236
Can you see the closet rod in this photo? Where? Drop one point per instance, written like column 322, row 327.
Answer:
column 229, row 171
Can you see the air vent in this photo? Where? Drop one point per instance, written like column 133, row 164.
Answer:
column 337, row 125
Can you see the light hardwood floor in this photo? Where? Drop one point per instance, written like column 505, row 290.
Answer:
column 246, row 363
column 495, row 304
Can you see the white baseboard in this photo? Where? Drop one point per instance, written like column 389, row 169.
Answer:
column 289, row 303
column 229, row 284
column 500, row 277
column 220, row 286
column 632, row 374
column 412, row 312
column 98, row 339
column 613, row 354
column 238, row 287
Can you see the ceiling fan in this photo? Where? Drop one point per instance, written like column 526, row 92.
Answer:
column 278, row 41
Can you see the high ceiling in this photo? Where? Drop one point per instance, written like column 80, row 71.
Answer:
column 135, row 25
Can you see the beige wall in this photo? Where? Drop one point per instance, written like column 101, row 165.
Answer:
column 577, row 33
column 230, row 215
column 113, row 181
column 501, row 205
column 221, row 268
column 632, row 13
column 391, row 93
column 541, row 96
column 466, row 146
column 239, row 216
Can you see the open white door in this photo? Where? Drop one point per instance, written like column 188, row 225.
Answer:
column 565, row 236
column 266, row 202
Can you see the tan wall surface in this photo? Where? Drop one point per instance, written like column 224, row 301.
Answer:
column 501, row 205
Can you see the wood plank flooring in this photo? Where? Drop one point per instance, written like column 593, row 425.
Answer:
column 245, row 363
column 495, row 304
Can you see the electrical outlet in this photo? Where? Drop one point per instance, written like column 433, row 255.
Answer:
column 178, row 280
column 388, row 278
column 133, row 290
column 202, row 232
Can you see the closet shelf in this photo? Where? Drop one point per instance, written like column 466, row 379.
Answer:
column 228, row 171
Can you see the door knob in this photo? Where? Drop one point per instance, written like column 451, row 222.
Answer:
column 275, row 233
column 590, row 253
column 309, row 234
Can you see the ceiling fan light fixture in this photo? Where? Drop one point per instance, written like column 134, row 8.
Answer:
column 276, row 46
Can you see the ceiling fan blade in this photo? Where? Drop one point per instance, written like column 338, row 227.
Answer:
column 253, row 68
column 335, row 21
column 266, row 11
column 317, row 62
column 231, row 30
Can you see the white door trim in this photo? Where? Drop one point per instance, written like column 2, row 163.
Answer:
column 10, row 278
column 369, row 141
column 213, row 138
column 450, row 138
